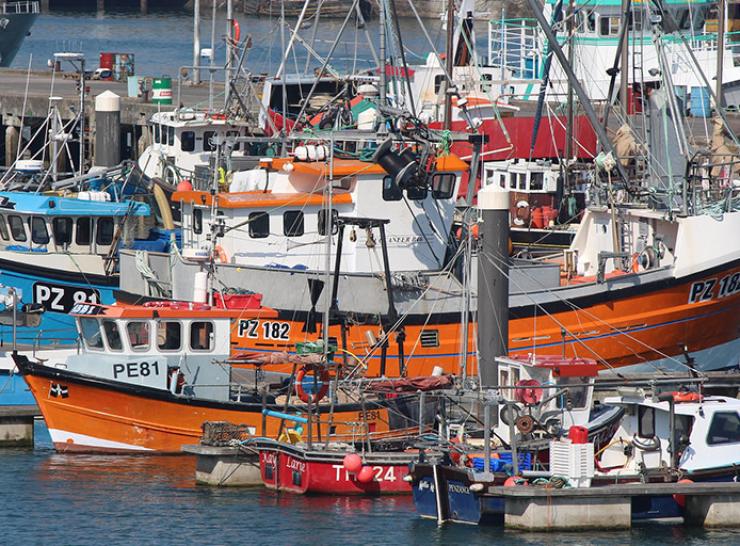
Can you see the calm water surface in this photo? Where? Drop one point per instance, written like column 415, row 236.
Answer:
column 79, row 499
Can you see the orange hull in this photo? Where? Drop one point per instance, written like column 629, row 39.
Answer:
column 628, row 328
column 94, row 416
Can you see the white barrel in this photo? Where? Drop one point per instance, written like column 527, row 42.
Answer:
column 200, row 288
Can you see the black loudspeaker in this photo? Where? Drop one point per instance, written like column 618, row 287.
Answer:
column 402, row 167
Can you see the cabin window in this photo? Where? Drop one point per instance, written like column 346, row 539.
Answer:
column 90, row 331
column 234, row 134
column 416, row 193
column 293, row 223
column 725, row 428
column 16, row 228
column 62, row 228
column 391, row 191
column 169, row 335
column 138, row 335
column 635, row 21
column 156, row 134
column 333, row 222
column 259, row 225
column 3, row 228
column 438, row 83
column 609, row 26
column 84, row 231
column 171, row 135
column 187, row 141
column 485, row 84
column 208, row 145
column 577, row 392
column 39, row 233
column 537, row 181
column 443, row 184
column 521, row 181
column 645, row 422
column 112, row 335
column 104, row 235
column 590, row 17
column 197, row 221
column 201, row 336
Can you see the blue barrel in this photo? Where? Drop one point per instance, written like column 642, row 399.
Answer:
column 700, row 106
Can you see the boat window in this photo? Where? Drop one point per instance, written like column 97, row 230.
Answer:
column 168, row 335
column 293, row 223
column 39, row 233
column 522, row 181
column 197, row 220
column 201, row 336
column 16, row 228
column 112, row 335
column 609, row 26
column 503, row 378
column 443, row 184
column 577, row 392
column 391, row 191
column 84, row 231
column 635, row 22
column 485, row 84
column 90, row 331
column 438, row 83
column 590, row 21
column 684, row 424
column 62, row 228
column 259, row 225
column 416, row 193
column 725, row 428
column 171, row 135
column 3, row 228
column 234, row 134
column 187, row 141
column 138, row 335
column 645, row 422
column 156, row 134
column 537, row 181
column 104, row 235
column 323, row 222
column 208, row 145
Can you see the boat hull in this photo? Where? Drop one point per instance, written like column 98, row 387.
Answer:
column 292, row 469
column 85, row 414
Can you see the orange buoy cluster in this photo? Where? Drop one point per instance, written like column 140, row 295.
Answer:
column 352, row 463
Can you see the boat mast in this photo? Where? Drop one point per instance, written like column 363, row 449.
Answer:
column 624, row 68
column 382, row 81
column 229, row 47
column 571, row 110
column 196, row 42
column 449, row 63
column 721, row 12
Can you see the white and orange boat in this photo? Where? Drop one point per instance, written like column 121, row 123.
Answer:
column 147, row 377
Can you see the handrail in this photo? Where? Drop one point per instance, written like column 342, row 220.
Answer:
column 19, row 8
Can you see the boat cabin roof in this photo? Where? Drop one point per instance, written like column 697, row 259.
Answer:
column 708, row 404
column 53, row 205
column 559, row 366
column 258, row 199
column 169, row 310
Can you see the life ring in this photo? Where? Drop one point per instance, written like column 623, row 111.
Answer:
column 523, row 213
column 170, row 175
column 682, row 397
column 220, row 253
column 529, row 392
column 323, row 378
column 636, row 267
column 237, row 30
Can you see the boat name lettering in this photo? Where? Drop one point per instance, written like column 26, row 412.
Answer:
column 705, row 290
column 460, row 489
column 270, row 329
column 269, row 458
column 368, row 415
column 293, row 464
column 380, row 474
column 135, row 369
column 405, row 239
column 62, row 299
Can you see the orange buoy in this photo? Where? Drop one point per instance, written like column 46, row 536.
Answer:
column 366, row 474
column 352, row 462
column 681, row 397
column 184, row 185
column 681, row 499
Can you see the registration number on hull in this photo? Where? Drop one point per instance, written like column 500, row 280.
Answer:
column 265, row 329
column 60, row 298
column 711, row 289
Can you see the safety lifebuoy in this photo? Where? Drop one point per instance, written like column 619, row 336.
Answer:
column 523, row 213
column 220, row 253
column 529, row 392
column 237, row 30
column 681, row 397
column 170, row 175
column 323, row 378
column 635, row 263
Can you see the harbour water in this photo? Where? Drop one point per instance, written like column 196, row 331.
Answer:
column 85, row 499
column 162, row 42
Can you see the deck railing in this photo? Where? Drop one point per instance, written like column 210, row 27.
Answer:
column 19, row 8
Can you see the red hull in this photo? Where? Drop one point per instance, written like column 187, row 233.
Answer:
column 283, row 471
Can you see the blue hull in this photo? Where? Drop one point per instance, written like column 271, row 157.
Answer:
column 14, row 391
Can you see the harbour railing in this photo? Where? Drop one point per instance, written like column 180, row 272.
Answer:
column 19, row 8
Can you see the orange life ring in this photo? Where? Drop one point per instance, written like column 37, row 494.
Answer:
column 220, row 253
column 237, row 30
column 323, row 377
column 530, row 394
column 681, row 397
column 636, row 262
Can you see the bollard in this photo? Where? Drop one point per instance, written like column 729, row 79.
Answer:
column 107, row 129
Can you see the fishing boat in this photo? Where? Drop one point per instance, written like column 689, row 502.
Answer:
column 147, row 377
